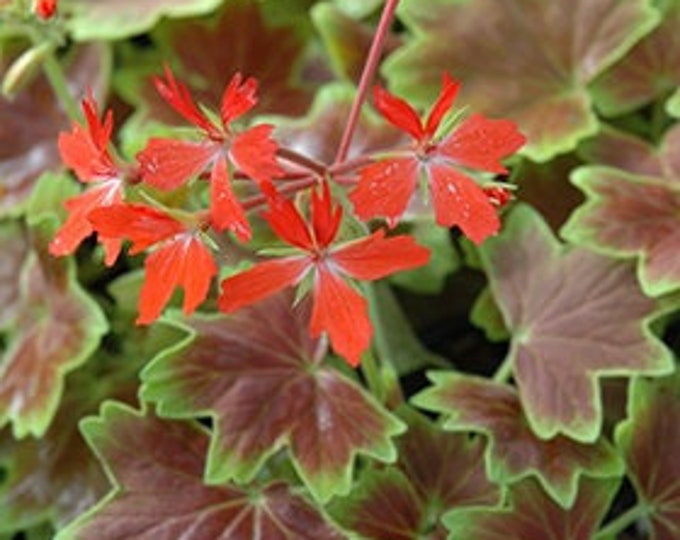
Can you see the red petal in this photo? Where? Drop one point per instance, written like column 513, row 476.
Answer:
column 254, row 153
column 168, row 163
column 225, row 210
column 238, row 98
column 385, row 188
column 262, row 280
column 375, row 257
column 184, row 262
column 45, row 9
column 85, row 151
column 342, row 313
column 179, row 98
column 143, row 225
column 398, row 112
column 77, row 226
column 458, row 200
column 325, row 219
column 481, row 143
column 285, row 220
column 444, row 102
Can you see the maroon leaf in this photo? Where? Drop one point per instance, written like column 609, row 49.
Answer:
column 650, row 441
column 650, row 69
column 633, row 215
column 54, row 477
column 55, row 328
column 14, row 249
column 206, row 54
column 533, row 515
column 258, row 374
column 435, row 471
column 514, row 452
column 31, row 123
column 574, row 316
column 546, row 187
column 551, row 51
column 157, row 467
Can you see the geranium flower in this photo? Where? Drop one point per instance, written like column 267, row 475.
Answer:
column 338, row 309
column 386, row 186
column 85, row 150
column 45, row 9
column 169, row 163
column 180, row 260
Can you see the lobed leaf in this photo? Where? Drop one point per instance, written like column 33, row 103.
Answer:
column 650, row 442
column 574, row 316
column 514, row 451
column 551, row 52
column 258, row 374
column 156, row 467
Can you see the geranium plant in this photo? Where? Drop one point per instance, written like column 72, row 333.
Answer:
column 328, row 269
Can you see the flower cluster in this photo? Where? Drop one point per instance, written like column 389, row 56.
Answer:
column 240, row 170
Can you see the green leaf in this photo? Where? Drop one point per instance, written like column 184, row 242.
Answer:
column 90, row 20
column 527, row 60
column 258, row 374
column 514, row 451
column 395, row 340
column 574, row 316
column 156, row 467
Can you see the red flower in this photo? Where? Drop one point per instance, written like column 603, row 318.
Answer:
column 45, row 9
column 181, row 260
column 169, row 163
column 385, row 187
column 338, row 308
column 85, row 150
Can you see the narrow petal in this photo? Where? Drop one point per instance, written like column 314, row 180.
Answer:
column 262, row 280
column 375, row 257
column 168, row 163
column 178, row 97
column 112, row 247
column 184, row 262
column 342, row 313
column 325, row 217
column 385, row 188
column 197, row 272
column 225, row 210
column 100, row 132
column 143, row 225
column 77, row 226
column 285, row 220
column 238, row 98
column 481, row 143
column 443, row 104
column 398, row 112
column 86, row 154
column 458, row 200
column 254, row 153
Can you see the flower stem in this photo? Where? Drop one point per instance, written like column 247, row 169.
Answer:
column 504, row 371
column 622, row 522
column 369, row 367
column 366, row 77
column 303, row 161
column 59, row 84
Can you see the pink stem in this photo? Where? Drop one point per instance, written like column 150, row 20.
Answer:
column 366, row 77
